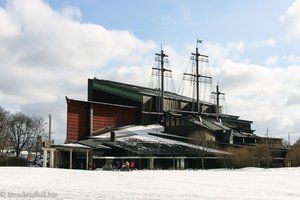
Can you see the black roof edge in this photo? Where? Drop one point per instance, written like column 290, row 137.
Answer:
column 101, row 103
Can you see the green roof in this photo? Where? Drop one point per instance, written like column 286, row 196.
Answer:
column 118, row 90
column 134, row 92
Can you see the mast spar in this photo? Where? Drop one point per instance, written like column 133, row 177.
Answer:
column 203, row 58
column 218, row 93
column 162, row 69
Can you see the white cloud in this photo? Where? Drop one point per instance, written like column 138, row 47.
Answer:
column 47, row 54
column 262, row 43
column 290, row 19
column 241, row 46
column 287, row 60
column 293, row 59
column 268, row 96
column 72, row 13
column 272, row 60
column 234, row 49
column 237, row 46
column 216, row 51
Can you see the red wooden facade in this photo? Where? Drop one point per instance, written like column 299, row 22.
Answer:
column 83, row 118
column 77, row 120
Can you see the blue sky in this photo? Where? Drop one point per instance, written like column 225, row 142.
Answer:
column 180, row 22
column 188, row 19
column 52, row 47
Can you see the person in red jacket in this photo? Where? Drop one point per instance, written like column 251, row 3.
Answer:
column 131, row 165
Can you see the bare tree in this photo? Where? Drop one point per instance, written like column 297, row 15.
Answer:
column 39, row 134
column 204, row 142
column 39, row 131
column 21, row 129
column 285, row 144
column 297, row 143
column 3, row 128
column 292, row 158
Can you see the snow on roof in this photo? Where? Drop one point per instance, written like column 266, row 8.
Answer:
column 132, row 130
column 75, row 145
column 156, row 139
column 142, row 133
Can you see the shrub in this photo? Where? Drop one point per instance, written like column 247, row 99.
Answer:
column 239, row 157
column 292, row 158
column 262, row 155
column 12, row 161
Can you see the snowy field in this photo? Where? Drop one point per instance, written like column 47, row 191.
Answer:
column 249, row 183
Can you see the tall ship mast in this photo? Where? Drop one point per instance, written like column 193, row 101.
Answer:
column 196, row 85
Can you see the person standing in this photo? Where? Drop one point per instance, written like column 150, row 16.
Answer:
column 131, row 165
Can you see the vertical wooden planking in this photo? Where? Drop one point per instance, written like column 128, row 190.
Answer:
column 80, row 119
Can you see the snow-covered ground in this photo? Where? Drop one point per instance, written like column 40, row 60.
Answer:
column 248, row 183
